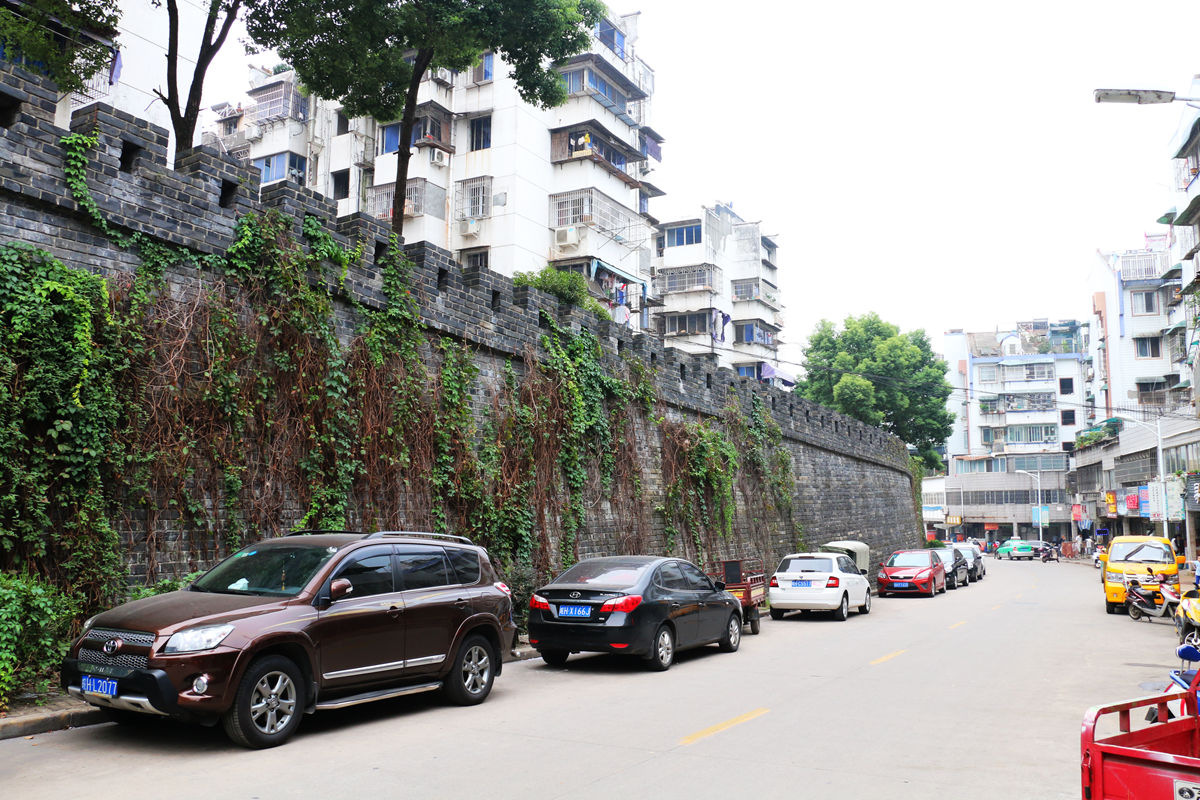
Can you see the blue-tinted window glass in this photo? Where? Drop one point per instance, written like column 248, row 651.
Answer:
column 391, row 138
column 573, row 81
column 487, row 66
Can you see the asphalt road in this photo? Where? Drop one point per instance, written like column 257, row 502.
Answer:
column 975, row 693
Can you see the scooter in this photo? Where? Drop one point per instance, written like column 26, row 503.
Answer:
column 1049, row 554
column 1141, row 602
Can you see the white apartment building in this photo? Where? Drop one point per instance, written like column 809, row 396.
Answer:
column 1140, row 342
column 1019, row 398
column 501, row 183
column 719, row 282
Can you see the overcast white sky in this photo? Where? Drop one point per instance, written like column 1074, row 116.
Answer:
column 940, row 163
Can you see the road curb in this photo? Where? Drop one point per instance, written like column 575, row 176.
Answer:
column 35, row 722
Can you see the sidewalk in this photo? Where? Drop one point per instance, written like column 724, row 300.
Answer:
column 58, row 711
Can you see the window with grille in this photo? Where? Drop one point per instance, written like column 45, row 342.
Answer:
column 473, row 198
column 683, row 235
column 987, row 374
column 746, row 289
column 686, row 279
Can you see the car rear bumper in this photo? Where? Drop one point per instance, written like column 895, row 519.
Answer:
column 581, row 638
column 812, row 599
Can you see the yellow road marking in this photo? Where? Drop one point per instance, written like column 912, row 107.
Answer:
column 1018, row 597
column 997, row 606
column 727, row 724
column 955, row 625
column 887, row 657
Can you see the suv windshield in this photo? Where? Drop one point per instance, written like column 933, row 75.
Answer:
column 279, row 571
column 966, row 553
column 1141, row 552
column 909, row 560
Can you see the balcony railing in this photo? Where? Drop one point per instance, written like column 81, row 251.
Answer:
column 381, row 198
column 1142, row 266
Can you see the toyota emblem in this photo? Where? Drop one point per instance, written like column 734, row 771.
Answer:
column 112, row 646
column 575, row 595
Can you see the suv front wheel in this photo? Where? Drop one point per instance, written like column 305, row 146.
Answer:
column 470, row 679
column 268, row 705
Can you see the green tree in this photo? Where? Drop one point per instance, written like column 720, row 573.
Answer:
column 67, row 39
column 871, row 371
column 371, row 54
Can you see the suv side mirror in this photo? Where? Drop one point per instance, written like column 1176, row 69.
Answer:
column 720, row 585
column 339, row 589
column 864, row 572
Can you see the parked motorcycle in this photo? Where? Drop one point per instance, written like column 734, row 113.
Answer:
column 1049, row 554
column 1187, row 618
column 1140, row 602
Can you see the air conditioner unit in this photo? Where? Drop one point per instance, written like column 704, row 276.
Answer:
column 566, row 237
column 442, row 75
column 437, row 157
column 253, row 131
column 468, row 227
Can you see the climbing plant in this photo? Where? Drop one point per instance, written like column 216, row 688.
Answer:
column 699, row 462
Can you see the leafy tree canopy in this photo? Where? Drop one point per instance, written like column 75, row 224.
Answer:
column 872, row 372
column 59, row 37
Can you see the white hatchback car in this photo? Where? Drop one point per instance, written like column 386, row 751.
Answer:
column 819, row 582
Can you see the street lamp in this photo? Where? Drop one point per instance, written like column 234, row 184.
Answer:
column 1142, row 97
column 1041, row 522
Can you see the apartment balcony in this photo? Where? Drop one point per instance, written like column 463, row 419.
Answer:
column 381, row 198
column 1143, row 266
column 754, row 290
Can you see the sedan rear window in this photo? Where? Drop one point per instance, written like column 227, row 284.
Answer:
column 259, row 570
column 806, row 565
column 909, row 560
column 604, row 573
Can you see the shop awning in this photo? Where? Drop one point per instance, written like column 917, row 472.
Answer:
column 1151, row 379
column 1175, row 327
column 1167, row 218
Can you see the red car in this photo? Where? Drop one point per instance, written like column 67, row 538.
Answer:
column 916, row 571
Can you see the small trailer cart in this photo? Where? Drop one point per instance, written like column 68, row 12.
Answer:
column 1160, row 761
column 744, row 579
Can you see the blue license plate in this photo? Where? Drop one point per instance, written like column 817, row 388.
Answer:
column 104, row 686
column 901, row 584
column 801, row 584
column 574, row 611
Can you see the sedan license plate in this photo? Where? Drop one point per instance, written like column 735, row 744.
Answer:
column 901, row 584
column 574, row 611
column 104, row 686
column 801, row 584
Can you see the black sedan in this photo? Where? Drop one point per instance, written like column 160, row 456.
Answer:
column 644, row 606
column 958, row 571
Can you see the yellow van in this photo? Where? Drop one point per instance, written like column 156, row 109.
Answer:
column 1137, row 556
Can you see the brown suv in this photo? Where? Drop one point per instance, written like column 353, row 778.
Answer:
column 299, row 624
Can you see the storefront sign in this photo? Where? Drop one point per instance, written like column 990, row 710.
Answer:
column 953, row 520
column 1077, row 512
column 1110, row 501
column 1192, row 492
column 991, row 526
column 1143, row 496
column 1155, row 502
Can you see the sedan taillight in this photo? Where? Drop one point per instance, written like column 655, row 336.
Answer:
column 833, row 582
column 627, row 603
column 502, row 586
column 774, row 582
column 538, row 603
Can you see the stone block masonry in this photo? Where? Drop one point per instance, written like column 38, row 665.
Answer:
column 851, row 480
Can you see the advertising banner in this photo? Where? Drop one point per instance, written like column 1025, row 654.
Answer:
column 1110, row 502
column 1077, row 512
column 1143, row 501
column 1155, row 502
column 1175, row 490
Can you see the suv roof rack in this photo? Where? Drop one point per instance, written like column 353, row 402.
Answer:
column 315, row 531
column 421, row 535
